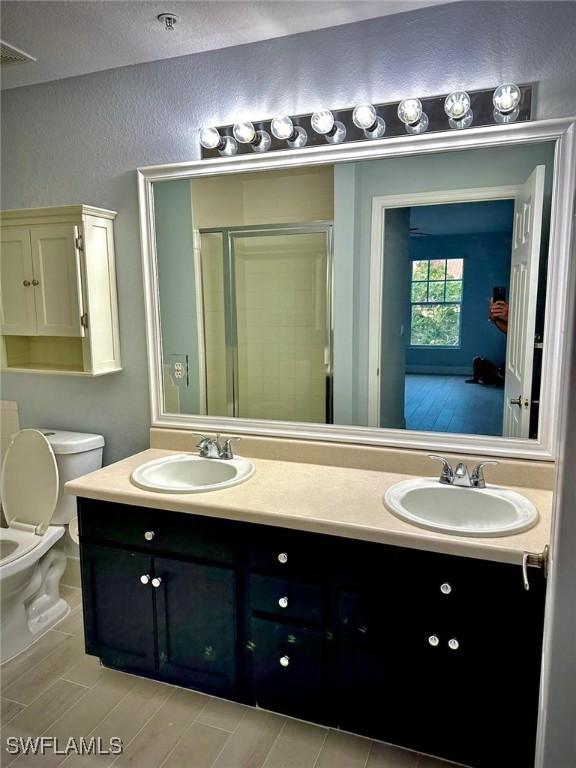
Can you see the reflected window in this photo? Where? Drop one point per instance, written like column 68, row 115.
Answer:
column 436, row 302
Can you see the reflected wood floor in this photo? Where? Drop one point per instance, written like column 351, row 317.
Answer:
column 438, row 403
column 55, row 689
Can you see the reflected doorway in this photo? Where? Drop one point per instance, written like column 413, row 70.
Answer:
column 460, row 257
column 463, row 340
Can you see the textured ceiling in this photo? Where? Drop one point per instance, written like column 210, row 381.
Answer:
column 74, row 38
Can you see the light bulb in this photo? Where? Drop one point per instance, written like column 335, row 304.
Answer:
column 209, row 138
column 261, row 141
column 506, row 117
column 419, row 127
column 506, row 98
column 282, row 127
column 364, row 116
column 464, row 122
column 457, row 104
column 228, row 146
column 322, row 121
column 410, row 111
column 244, row 132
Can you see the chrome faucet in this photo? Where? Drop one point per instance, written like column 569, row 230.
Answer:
column 460, row 476
column 211, row 448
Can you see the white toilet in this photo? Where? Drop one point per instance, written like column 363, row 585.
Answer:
column 32, row 557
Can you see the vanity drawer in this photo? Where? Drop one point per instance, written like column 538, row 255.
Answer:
column 287, row 553
column 158, row 531
column 287, row 598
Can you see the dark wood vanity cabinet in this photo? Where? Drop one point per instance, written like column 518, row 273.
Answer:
column 433, row 652
column 118, row 611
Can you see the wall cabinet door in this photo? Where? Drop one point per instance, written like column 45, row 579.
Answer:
column 196, row 624
column 118, row 607
column 16, row 290
column 56, row 280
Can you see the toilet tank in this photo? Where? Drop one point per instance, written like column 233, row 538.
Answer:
column 77, row 453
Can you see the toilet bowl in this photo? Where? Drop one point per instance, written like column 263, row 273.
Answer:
column 36, row 466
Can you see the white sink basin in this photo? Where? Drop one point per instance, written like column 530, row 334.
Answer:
column 490, row 511
column 188, row 473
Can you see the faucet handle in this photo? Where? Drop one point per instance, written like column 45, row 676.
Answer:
column 226, row 452
column 477, row 476
column 208, row 447
column 447, row 474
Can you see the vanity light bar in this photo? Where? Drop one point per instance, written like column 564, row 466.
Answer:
column 457, row 110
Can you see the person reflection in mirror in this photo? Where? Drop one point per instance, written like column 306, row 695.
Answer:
column 498, row 314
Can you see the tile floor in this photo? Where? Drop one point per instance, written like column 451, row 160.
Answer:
column 54, row 689
column 440, row 403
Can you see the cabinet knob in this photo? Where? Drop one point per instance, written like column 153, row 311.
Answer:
column 445, row 588
column 283, row 602
column 149, row 535
column 284, row 661
column 145, row 579
column 26, row 283
column 156, row 581
column 433, row 640
column 453, row 644
column 283, row 557
column 35, row 282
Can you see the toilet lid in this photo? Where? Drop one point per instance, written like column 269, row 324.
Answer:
column 29, row 483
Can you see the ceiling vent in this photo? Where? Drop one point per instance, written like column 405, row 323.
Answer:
column 11, row 55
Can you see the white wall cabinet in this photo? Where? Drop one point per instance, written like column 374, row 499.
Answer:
column 58, row 304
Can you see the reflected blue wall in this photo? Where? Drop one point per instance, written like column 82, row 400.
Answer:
column 486, row 264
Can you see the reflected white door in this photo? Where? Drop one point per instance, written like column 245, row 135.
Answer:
column 522, row 305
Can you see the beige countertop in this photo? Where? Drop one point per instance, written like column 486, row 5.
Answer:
column 325, row 499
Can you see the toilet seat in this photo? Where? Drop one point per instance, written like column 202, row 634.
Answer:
column 29, row 482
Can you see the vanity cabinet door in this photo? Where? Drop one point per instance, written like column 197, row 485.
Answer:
column 118, row 607
column 290, row 670
column 466, row 683
column 196, row 624
column 364, row 667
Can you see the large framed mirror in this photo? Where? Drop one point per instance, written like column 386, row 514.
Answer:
column 412, row 291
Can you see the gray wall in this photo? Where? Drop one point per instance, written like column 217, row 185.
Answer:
column 80, row 139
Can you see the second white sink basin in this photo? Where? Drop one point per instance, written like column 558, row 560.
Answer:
column 188, row 473
column 490, row 511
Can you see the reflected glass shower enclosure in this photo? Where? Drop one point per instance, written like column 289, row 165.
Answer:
column 266, row 316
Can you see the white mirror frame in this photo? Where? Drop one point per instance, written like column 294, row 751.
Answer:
column 562, row 131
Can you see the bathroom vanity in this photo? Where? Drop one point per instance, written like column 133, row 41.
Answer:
column 357, row 627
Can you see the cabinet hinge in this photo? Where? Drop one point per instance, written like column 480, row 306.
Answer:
column 534, row 560
column 79, row 243
column 84, row 320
